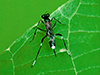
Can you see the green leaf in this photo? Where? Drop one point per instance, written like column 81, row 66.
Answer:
column 81, row 31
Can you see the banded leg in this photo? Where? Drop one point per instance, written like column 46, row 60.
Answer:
column 64, row 43
column 39, row 50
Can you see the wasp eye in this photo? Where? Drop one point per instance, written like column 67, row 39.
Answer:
column 43, row 16
column 48, row 14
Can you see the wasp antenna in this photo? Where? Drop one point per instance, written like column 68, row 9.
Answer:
column 46, row 12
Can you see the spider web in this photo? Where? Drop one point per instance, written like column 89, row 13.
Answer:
column 81, row 32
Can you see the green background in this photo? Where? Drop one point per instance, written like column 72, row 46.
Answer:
column 81, row 32
column 16, row 16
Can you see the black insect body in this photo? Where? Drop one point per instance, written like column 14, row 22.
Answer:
column 49, row 33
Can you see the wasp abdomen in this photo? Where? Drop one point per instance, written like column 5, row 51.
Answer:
column 52, row 44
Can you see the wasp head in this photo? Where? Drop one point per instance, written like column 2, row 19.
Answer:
column 45, row 16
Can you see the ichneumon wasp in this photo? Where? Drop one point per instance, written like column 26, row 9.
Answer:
column 49, row 33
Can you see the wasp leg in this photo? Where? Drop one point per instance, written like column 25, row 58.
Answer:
column 35, row 33
column 39, row 29
column 38, row 50
column 64, row 44
column 54, row 52
column 40, row 21
column 54, row 25
column 56, row 22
